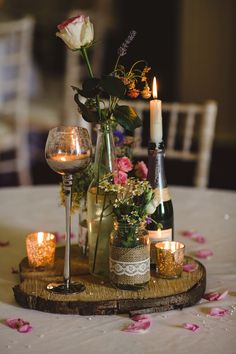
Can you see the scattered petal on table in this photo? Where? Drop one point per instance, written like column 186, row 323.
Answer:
column 191, row 326
column 203, row 253
column 190, row 267
column 199, row 238
column 215, row 295
column 218, row 312
column 196, row 236
column 4, row 243
column 25, row 328
column 141, row 324
column 142, row 318
column 137, row 327
column 19, row 324
column 189, row 233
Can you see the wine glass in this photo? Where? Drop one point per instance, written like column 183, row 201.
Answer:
column 68, row 150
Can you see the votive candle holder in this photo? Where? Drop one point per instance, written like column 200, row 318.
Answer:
column 170, row 259
column 41, row 248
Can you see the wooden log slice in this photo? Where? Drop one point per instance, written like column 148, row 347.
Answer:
column 100, row 298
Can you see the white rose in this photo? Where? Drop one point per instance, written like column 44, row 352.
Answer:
column 76, row 32
column 151, row 207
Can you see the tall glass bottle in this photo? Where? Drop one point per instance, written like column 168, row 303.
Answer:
column 99, row 208
column 162, row 228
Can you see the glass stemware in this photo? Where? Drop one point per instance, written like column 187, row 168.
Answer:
column 68, row 150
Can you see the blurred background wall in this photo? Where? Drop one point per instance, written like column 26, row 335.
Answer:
column 190, row 46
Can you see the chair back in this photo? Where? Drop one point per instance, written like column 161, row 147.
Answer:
column 15, row 71
column 188, row 134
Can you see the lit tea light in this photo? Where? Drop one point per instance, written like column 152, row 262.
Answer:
column 40, row 248
column 170, row 259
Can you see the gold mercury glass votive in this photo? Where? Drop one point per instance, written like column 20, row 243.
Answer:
column 170, row 259
column 41, row 249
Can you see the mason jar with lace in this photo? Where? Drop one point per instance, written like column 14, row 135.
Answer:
column 129, row 256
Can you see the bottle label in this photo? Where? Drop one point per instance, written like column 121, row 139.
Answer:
column 158, row 236
column 162, row 194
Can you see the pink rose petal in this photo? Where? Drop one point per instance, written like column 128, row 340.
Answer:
column 4, row 243
column 25, row 328
column 196, row 236
column 191, row 326
column 223, row 295
column 218, row 312
column 189, row 267
column 141, row 324
column 19, row 324
column 189, row 233
column 138, row 327
column 139, row 318
column 215, row 296
column 203, row 253
column 199, row 238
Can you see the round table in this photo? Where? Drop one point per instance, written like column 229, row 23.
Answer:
column 210, row 212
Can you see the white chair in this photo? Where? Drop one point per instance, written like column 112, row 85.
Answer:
column 188, row 136
column 15, row 70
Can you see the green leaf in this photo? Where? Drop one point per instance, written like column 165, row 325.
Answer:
column 127, row 117
column 90, row 88
column 91, row 84
column 88, row 115
column 113, row 86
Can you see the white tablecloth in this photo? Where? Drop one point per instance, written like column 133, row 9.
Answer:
column 211, row 212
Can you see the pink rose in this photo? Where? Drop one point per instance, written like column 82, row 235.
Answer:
column 76, row 32
column 124, row 164
column 141, row 170
column 120, row 177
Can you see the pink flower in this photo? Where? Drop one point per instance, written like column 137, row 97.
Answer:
column 191, row 326
column 141, row 170
column 120, row 177
column 19, row 324
column 189, row 267
column 218, row 312
column 215, row 296
column 203, row 253
column 140, row 325
column 124, row 164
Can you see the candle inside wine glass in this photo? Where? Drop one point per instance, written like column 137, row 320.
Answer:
column 68, row 150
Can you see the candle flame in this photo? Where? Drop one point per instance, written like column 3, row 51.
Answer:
column 40, row 238
column 154, row 87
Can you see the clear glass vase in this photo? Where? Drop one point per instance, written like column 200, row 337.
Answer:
column 129, row 256
column 99, row 207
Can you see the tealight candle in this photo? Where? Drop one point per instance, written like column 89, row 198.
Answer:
column 170, row 259
column 40, row 248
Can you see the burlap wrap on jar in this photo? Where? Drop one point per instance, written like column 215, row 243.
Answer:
column 130, row 266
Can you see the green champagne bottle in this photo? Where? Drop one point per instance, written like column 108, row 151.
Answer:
column 161, row 227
